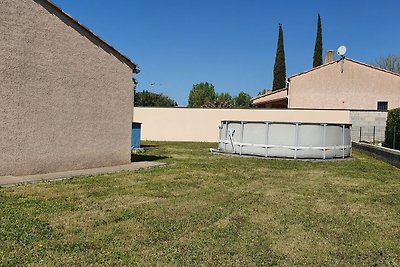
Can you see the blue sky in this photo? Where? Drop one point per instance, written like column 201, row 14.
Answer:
column 232, row 43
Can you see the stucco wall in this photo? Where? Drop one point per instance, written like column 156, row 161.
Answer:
column 358, row 87
column 65, row 103
column 189, row 124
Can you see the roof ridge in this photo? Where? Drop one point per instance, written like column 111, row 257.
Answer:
column 318, row 67
column 348, row 59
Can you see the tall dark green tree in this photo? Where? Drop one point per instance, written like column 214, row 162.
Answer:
column 317, row 59
column 280, row 65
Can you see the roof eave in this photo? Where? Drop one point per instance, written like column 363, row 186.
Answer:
column 91, row 35
column 269, row 93
column 270, row 101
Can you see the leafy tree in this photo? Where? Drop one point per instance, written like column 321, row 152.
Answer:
column 149, row 99
column 280, row 65
column 225, row 100
column 389, row 62
column 317, row 59
column 242, row 100
column 392, row 131
column 202, row 95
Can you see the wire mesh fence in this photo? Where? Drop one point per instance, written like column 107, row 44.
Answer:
column 376, row 135
column 370, row 134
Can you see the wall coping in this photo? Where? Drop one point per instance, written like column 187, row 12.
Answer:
column 381, row 148
column 389, row 155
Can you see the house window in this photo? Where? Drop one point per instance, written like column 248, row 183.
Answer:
column 382, row 105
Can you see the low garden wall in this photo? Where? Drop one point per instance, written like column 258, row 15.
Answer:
column 391, row 156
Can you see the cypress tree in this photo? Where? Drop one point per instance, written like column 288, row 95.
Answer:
column 317, row 59
column 280, row 65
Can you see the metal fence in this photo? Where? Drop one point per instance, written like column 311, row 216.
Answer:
column 375, row 135
column 370, row 134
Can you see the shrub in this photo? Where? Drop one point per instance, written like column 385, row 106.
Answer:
column 392, row 131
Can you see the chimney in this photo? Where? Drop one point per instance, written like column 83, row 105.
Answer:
column 329, row 56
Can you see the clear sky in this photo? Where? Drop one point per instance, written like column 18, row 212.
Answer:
column 232, row 43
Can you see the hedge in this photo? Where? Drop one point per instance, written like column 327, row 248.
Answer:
column 392, row 131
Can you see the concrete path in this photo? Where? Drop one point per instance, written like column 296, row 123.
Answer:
column 6, row 181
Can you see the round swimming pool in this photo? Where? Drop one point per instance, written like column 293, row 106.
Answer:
column 285, row 139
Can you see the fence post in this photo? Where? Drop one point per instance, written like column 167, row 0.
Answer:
column 373, row 135
column 394, row 137
column 360, row 135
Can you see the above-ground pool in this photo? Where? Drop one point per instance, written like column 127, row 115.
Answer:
column 285, row 139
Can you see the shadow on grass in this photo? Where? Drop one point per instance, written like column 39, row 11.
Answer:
column 140, row 157
column 149, row 146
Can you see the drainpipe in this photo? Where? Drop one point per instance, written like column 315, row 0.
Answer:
column 288, row 92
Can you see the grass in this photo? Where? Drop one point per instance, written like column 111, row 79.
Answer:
column 205, row 209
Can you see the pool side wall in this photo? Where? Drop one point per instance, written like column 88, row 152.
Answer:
column 286, row 140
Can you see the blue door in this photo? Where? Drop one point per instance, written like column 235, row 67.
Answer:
column 136, row 128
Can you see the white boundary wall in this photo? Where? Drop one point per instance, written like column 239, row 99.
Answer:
column 201, row 124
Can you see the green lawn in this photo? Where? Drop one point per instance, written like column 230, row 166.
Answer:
column 205, row 209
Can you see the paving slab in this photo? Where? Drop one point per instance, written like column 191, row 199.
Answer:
column 6, row 181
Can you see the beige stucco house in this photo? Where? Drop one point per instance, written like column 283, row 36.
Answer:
column 66, row 96
column 340, row 84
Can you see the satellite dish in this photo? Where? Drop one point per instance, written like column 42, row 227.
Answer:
column 342, row 51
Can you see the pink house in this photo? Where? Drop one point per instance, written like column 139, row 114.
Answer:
column 340, row 84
